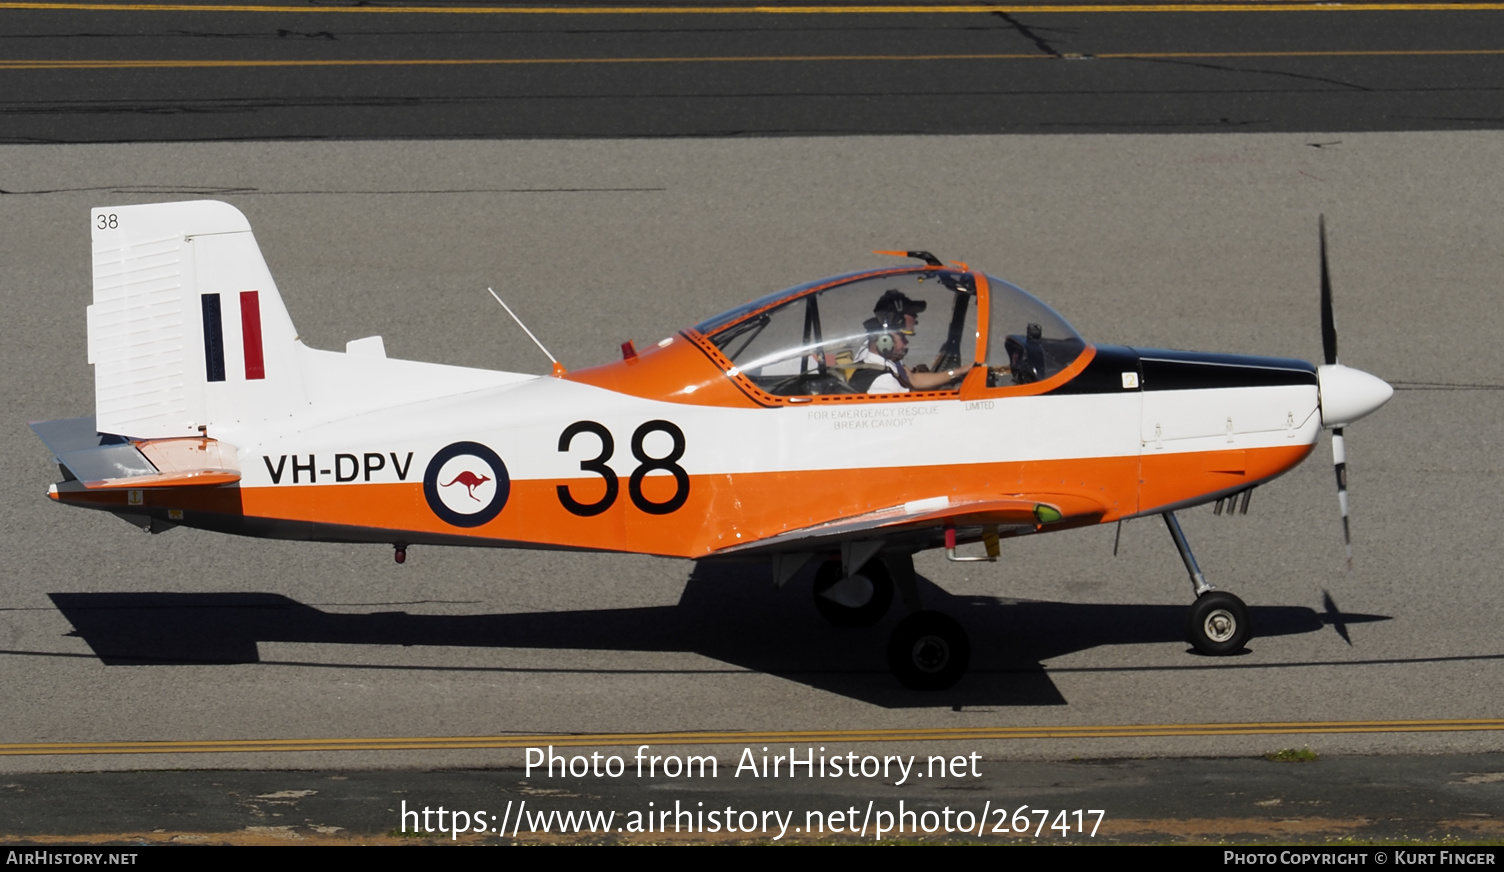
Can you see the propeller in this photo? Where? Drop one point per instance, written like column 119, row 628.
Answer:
column 1346, row 394
column 1329, row 354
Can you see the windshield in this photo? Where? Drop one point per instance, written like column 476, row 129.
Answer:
column 1027, row 341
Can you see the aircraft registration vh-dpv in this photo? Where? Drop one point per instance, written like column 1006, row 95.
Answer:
column 849, row 422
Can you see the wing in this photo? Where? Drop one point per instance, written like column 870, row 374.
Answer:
column 922, row 523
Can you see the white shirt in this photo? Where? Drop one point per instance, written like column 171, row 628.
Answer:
column 889, row 382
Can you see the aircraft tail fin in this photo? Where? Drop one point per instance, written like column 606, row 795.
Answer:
column 187, row 329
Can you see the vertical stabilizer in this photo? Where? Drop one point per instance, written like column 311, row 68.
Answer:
column 187, row 330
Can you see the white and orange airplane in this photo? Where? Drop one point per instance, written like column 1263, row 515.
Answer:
column 850, row 423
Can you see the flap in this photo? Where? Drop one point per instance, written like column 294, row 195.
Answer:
column 1012, row 513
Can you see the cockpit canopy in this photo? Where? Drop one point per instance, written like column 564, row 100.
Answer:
column 827, row 337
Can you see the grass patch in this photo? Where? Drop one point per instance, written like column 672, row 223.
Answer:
column 1292, row 755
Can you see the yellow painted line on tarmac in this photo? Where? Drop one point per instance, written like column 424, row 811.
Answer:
column 1361, row 53
column 576, row 740
column 1287, row 6
column 145, row 64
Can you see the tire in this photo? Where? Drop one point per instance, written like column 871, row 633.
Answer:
column 1218, row 624
column 859, row 602
column 928, row 651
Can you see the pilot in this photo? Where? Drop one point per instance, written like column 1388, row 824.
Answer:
column 883, row 371
column 895, row 317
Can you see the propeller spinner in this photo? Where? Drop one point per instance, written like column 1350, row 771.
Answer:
column 1347, row 394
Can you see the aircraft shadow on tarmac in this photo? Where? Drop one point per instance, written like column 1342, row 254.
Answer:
column 726, row 613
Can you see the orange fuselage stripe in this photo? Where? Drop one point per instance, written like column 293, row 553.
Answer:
column 728, row 510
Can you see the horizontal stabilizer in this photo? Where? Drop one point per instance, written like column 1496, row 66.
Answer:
column 99, row 460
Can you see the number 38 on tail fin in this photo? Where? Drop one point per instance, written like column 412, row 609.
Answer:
column 846, row 424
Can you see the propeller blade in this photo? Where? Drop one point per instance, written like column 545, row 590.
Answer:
column 1339, row 462
column 1328, row 324
column 1346, row 394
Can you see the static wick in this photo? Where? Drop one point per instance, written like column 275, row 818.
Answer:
column 551, row 358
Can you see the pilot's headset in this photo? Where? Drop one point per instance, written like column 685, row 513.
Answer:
column 884, row 325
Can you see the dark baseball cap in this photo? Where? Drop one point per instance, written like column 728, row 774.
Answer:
column 894, row 300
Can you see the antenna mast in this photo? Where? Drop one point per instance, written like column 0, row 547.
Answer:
column 555, row 361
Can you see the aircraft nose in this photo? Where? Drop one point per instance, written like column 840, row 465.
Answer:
column 1348, row 394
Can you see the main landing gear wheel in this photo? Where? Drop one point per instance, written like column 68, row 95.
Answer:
column 858, row 601
column 928, row 651
column 1218, row 624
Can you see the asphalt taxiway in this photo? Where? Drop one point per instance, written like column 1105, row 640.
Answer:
column 1444, row 800
column 109, row 636
column 133, row 72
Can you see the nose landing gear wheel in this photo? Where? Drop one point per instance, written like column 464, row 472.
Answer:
column 858, row 601
column 928, row 651
column 1218, row 624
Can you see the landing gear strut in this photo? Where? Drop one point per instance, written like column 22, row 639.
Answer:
column 1217, row 623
